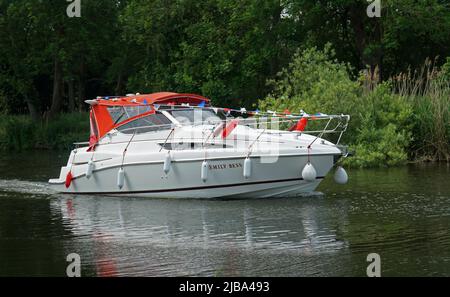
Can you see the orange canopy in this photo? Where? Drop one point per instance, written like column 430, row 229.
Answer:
column 102, row 122
column 155, row 98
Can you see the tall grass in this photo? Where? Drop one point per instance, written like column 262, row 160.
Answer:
column 428, row 90
column 19, row 132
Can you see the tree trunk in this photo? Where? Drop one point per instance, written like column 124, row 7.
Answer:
column 81, row 94
column 81, row 87
column 380, row 52
column 34, row 111
column 360, row 23
column 356, row 13
column 71, row 94
column 119, row 85
column 57, row 90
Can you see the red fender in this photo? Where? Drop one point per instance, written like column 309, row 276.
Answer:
column 300, row 125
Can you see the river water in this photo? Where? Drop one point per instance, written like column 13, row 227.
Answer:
column 402, row 214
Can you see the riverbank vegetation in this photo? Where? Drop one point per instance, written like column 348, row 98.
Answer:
column 20, row 132
column 406, row 117
column 319, row 56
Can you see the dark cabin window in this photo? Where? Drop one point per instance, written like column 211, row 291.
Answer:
column 152, row 122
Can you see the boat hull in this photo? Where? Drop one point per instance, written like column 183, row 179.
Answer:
column 225, row 178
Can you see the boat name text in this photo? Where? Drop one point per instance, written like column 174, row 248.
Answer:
column 224, row 166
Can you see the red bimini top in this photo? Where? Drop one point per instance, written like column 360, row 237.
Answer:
column 101, row 119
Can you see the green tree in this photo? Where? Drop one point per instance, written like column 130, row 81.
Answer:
column 222, row 49
column 407, row 32
column 39, row 41
column 21, row 52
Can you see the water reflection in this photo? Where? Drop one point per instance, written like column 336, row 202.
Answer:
column 403, row 214
column 159, row 236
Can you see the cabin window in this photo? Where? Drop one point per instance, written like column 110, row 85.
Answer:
column 196, row 116
column 152, row 122
column 122, row 113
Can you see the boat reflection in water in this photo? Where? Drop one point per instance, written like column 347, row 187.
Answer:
column 126, row 236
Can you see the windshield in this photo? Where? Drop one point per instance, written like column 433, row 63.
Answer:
column 152, row 122
column 196, row 116
column 122, row 113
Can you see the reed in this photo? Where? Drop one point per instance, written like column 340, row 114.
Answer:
column 428, row 90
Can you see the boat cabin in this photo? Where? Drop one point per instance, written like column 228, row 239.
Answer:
column 149, row 112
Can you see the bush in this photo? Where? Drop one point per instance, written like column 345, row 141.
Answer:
column 19, row 132
column 380, row 127
column 314, row 82
column 384, row 132
column 62, row 132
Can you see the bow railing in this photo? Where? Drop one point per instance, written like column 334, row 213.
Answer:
column 270, row 122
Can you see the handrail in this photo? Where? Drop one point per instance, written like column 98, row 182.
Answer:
column 257, row 120
column 243, row 122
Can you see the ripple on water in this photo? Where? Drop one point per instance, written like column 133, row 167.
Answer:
column 329, row 233
column 25, row 187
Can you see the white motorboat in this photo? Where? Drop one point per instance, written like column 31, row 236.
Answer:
column 171, row 145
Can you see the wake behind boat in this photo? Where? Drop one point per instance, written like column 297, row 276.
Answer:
column 173, row 145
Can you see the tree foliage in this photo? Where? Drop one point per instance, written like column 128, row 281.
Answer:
column 228, row 50
column 223, row 49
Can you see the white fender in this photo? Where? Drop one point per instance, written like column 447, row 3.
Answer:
column 167, row 162
column 90, row 169
column 309, row 173
column 340, row 176
column 247, row 167
column 120, row 178
column 204, row 174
